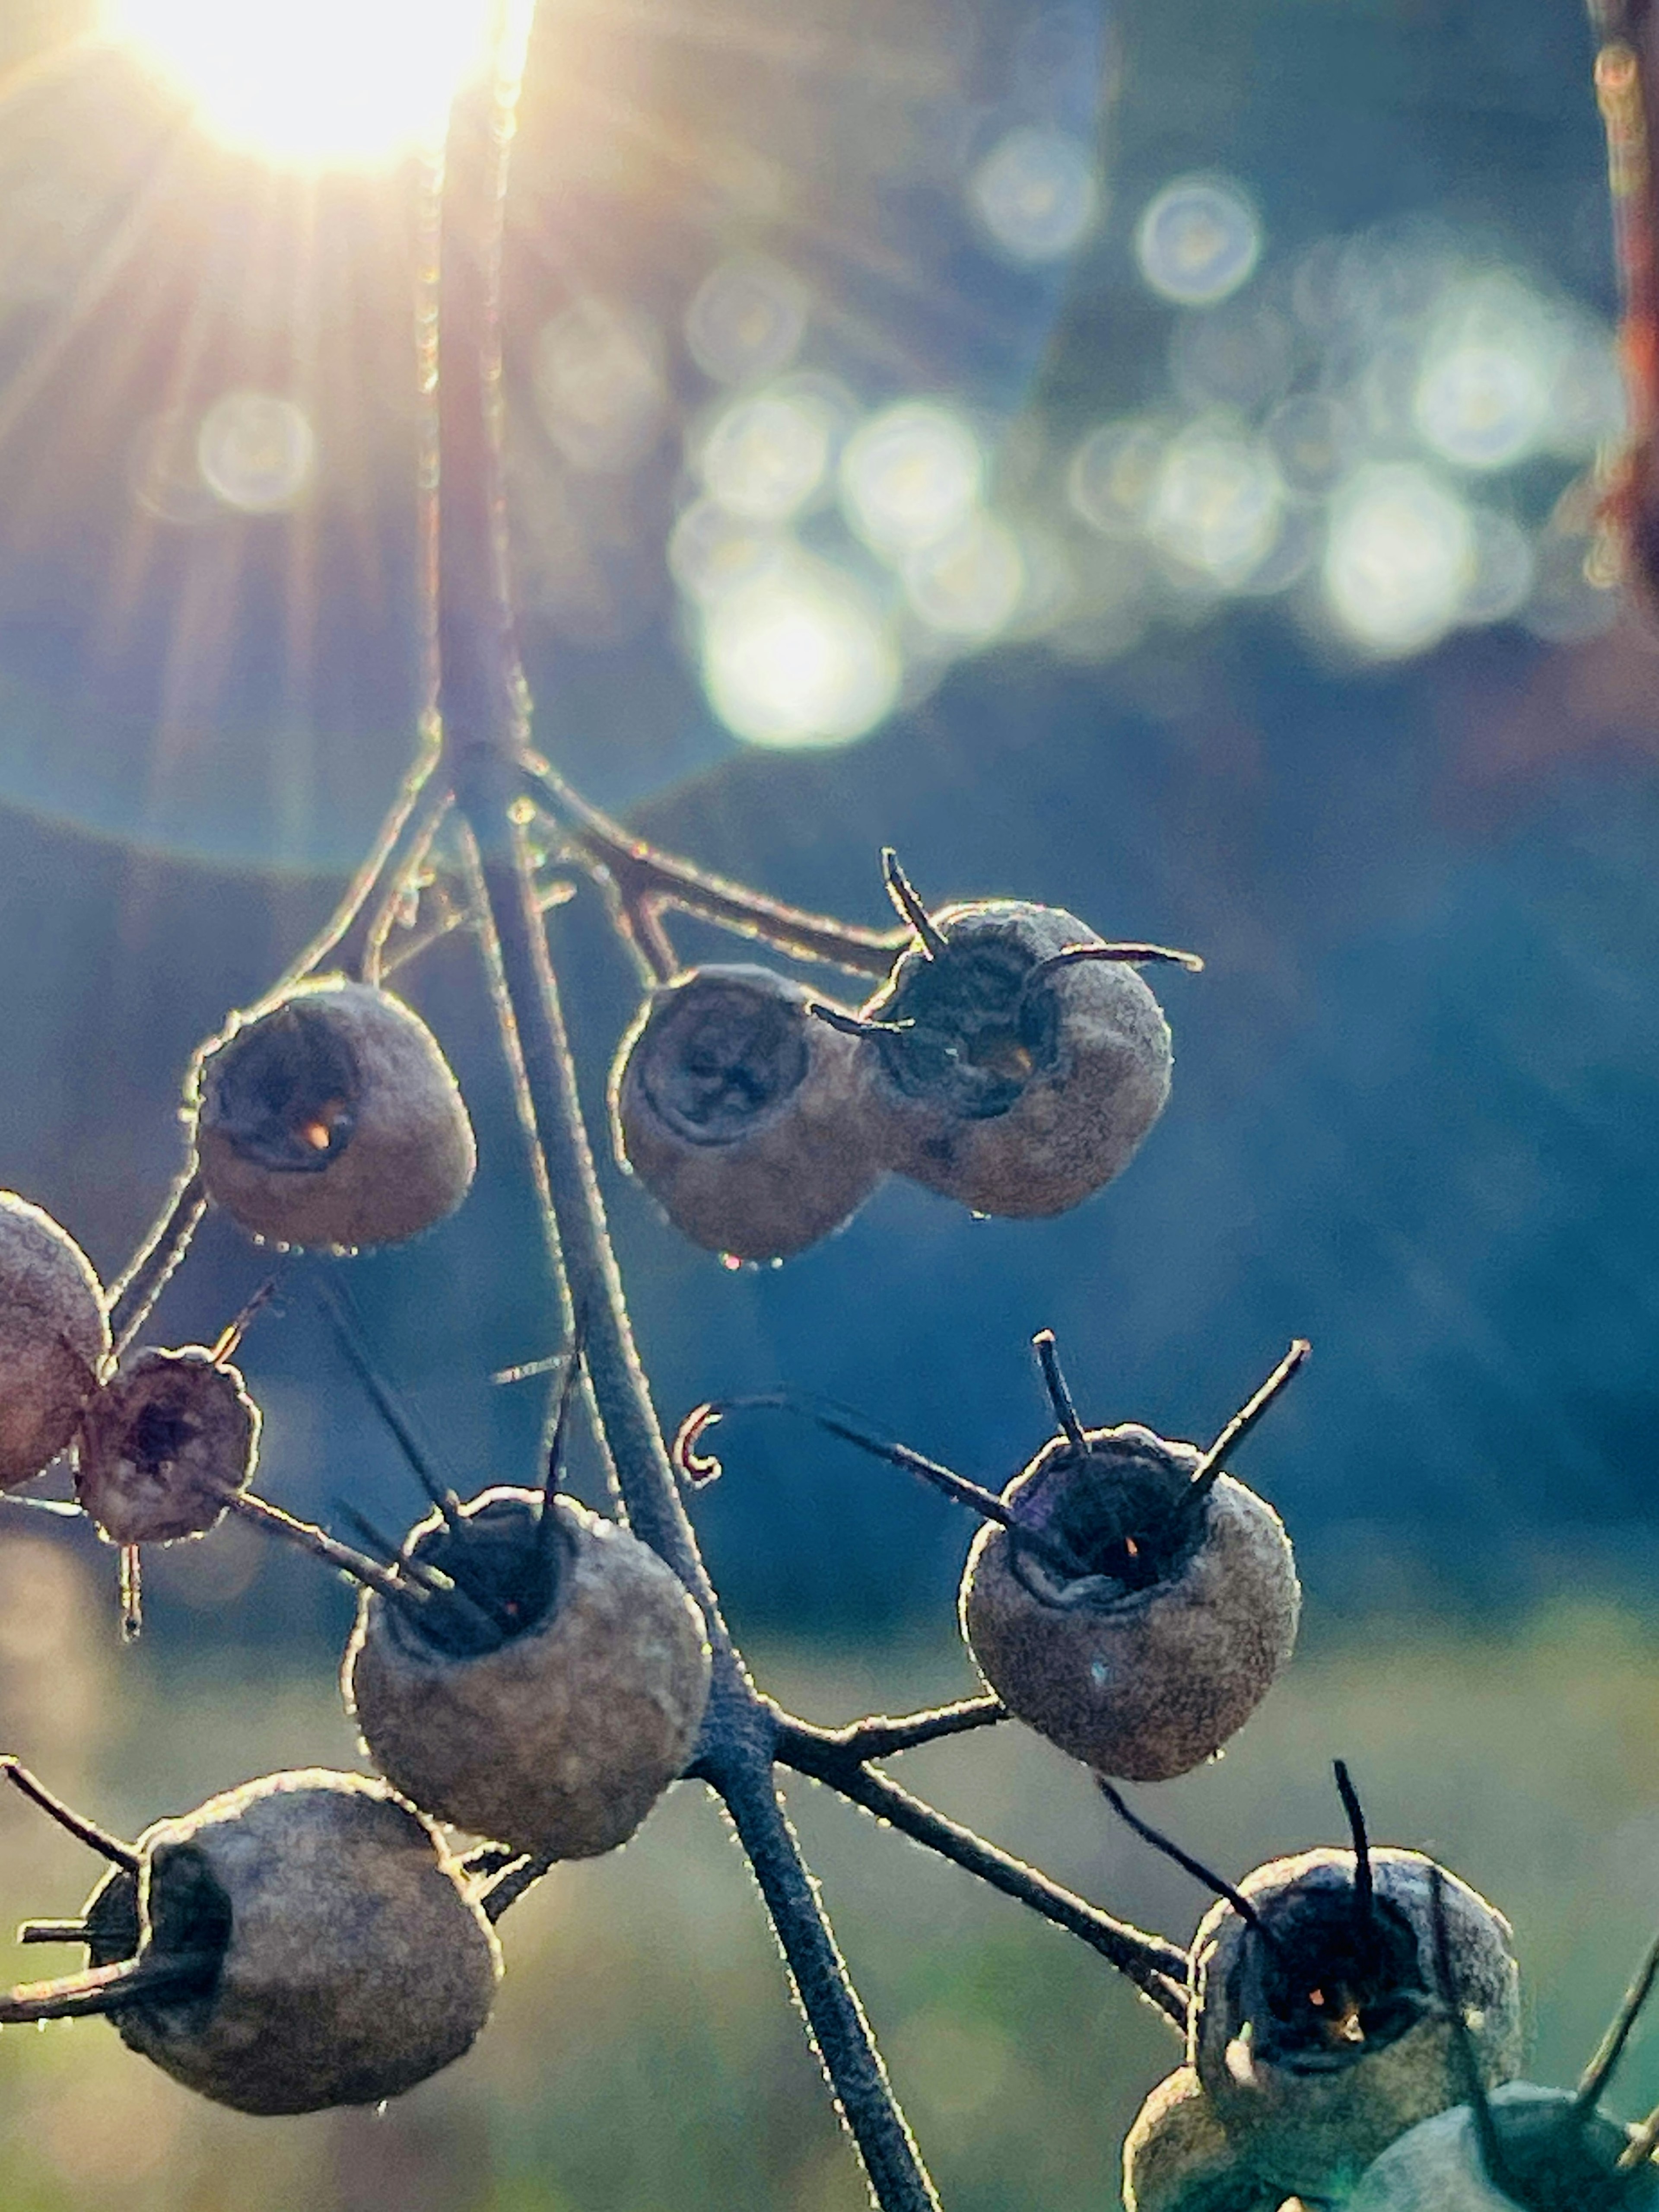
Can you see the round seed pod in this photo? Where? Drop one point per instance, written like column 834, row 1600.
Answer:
column 1323, row 2040
column 741, row 1113
column 162, row 1443
column 1154, row 1621
column 551, row 1707
column 1015, row 1086
column 351, row 1964
column 1177, row 2157
column 1554, row 2160
column 331, row 1118
column 54, row 1336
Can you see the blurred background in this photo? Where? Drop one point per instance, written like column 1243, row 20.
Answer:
column 1138, row 457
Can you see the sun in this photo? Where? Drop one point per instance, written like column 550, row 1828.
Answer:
column 313, row 83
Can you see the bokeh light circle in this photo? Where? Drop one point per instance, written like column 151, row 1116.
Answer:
column 969, row 583
column 1198, row 240
column 1482, row 405
column 1113, row 475
column 765, row 457
column 746, row 320
column 256, row 451
column 910, row 476
column 1400, row 558
column 1038, row 194
column 599, row 383
column 801, row 656
column 1216, row 505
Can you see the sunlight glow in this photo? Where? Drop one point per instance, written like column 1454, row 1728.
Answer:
column 314, row 82
column 800, row 657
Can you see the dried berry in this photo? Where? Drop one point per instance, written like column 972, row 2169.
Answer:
column 54, row 1337
column 741, row 1114
column 1318, row 2031
column 1177, row 2157
column 1521, row 2148
column 163, row 1446
column 542, row 1685
column 301, row 1943
column 1015, row 1060
column 331, row 1118
column 1138, row 1603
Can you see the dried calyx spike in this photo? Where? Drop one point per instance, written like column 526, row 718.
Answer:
column 1317, row 2031
column 301, row 1943
column 166, row 1444
column 1014, row 1059
column 331, row 1118
column 1520, row 2148
column 546, row 1679
column 54, row 1336
column 741, row 1114
column 1127, row 1600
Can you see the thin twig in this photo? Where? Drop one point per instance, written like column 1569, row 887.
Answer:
column 1157, row 1969
column 416, row 845
column 146, row 1275
column 509, row 1888
column 879, row 1737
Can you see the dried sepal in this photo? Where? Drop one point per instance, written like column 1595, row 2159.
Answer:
column 1177, row 2157
column 1180, row 1609
column 1318, row 2030
column 163, row 1446
column 330, row 1119
column 1006, row 1073
column 557, row 1728
column 54, row 1337
column 741, row 1113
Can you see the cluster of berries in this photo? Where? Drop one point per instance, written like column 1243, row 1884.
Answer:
column 1011, row 1059
column 521, row 1668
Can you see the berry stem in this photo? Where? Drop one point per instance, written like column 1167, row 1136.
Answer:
column 1157, row 1969
column 146, row 1275
column 879, row 1737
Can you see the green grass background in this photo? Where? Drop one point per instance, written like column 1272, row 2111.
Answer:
column 644, row 2056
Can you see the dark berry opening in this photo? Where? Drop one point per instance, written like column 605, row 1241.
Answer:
column 283, row 1092
column 1335, row 1982
column 1122, row 1511
column 720, row 1055
column 975, row 1037
column 156, row 1436
column 506, row 1564
column 112, row 1919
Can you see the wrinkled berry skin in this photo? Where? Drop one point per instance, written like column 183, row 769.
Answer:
column 1016, row 1100
column 54, row 1335
column 1437, row 2166
column 1305, row 2108
column 330, row 1119
column 1143, row 1669
column 1177, row 2157
column 161, row 1442
column 741, row 1113
column 353, row 1965
column 561, row 1738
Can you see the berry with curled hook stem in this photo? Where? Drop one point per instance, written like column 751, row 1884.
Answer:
column 331, row 1118
column 742, row 1115
column 1172, row 1607
column 301, row 1943
column 1015, row 1060
column 54, row 1337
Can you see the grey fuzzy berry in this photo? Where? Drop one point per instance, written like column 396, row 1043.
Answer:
column 741, row 1113
column 352, row 1964
column 1016, row 1089
column 162, row 1443
column 1319, row 2049
column 1177, row 2157
column 1148, row 1658
column 54, row 1337
column 558, row 1737
column 1562, row 2164
column 331, row 1118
